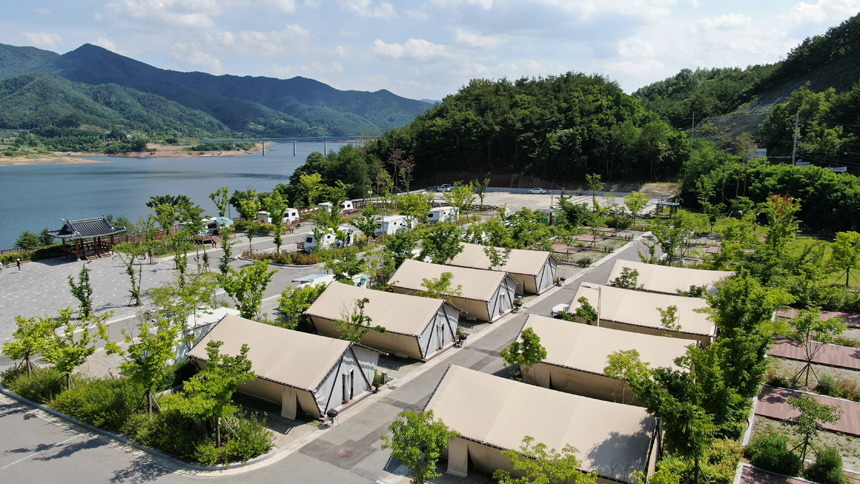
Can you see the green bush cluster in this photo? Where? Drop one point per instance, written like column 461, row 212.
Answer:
column 827, row 468
column 770, row 451
column 840, row 388
column 42, row 385
column 104, row 403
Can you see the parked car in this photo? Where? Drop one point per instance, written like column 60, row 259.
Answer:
column 444, row 188
column 538, row 190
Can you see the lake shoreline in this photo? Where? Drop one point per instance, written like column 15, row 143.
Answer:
column 154, row 151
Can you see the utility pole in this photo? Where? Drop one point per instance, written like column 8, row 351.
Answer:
column 794, row 148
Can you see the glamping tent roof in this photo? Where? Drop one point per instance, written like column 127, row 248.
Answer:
column 398, row 313
column 477, row 284
column 519, row 261
column 587, row 348
column 612, row 439
column 668, row 279
column 641, row 308
column 296, row 359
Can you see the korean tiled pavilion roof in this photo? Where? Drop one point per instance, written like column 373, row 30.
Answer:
column 86, row 229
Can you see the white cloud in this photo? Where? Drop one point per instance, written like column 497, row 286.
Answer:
column 45, row 40
column 635, row 48
column 483, row 4
column 588, row 9
column 822, row 11
column 731, row 21
column 192, row 54
column 319, row 67
column 632, row 73
column 286, row 6
column 420, row 49
column 263, row 43
column 193, row 14
column 368, row 8
column 473, row 39
column 107, row 44
column 42, row 11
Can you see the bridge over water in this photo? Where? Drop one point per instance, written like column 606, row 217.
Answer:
column 355, row 140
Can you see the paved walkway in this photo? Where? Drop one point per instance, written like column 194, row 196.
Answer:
column 830, row 355
column 773, row 403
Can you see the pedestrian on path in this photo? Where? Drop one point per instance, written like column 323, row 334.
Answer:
column 19, row 266
column 1, row 267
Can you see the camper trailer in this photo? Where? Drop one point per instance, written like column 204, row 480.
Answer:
column 346, row 206
column 392, row 224
column 442, row 214
column 329, row 240
column 290, row 215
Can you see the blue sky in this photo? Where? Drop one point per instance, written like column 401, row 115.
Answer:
column 427, row 49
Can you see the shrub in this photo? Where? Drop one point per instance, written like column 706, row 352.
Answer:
column 584, row 262
column 104, row 403
column 11, row 257
column 827, row 468
column 166, row 430
column 826, row 385
column 247, row 438
column 40, row 386
column 770, row 451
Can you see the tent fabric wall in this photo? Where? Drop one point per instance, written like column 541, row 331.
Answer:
column 669, row 279
column 533, row 270
column 484, row 294
column 578, row 353
column 297, row 370
column 412, row 323
column 613, row 439
column 639, row 312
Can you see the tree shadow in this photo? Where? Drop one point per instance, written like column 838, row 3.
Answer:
column 619, row 455
column 142, row 469
column 12, row 409
column 773, row 395
column 72, row 448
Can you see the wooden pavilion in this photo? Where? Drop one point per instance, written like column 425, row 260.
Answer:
column 88, row 238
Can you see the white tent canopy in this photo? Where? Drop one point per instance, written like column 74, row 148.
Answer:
column 417, row 327
column 577, row 354
column 485, row 295
column 669, row 279
column 638, row 311
column 492, row 413
column 298, row 370
column 533, row 270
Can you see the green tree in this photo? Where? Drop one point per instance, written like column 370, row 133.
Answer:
column 846, row 253
column 415, row 206
column 441, row 243
column 293, row 303
column 129, row 259
column 28, row 240
column 480, row 189
column 417, row 440
column 277, row 208
column 182, row 301
column 586, row 313
column 343, row 263
column 628, row 279
column 354, row 324
column 311, row 185
column 540, row 464
column 669, row 318
column 72, row 342
column 441, row 287
column 595, row 185
column 781, row 223
column 246, row 287
column 523, row 353
column 147, row 354
column 221, row 199
column 812, row 334
column 366, row 220
column 400, row 246
column 460, row 197
column 227, row 243
column 83, row 291
column 29, row 338
column 635, row 202
column 809, row 423
column 208, row 394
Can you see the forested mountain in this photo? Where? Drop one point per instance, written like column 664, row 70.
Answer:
column 728, row 103
column 556, row 128
column 257, row 106
column 40, row 100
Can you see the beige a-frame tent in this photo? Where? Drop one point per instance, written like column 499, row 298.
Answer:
column 534, row 270
column 576, row 355
column 639, row 312
column 415, row 327
column 492, row 414
column 485, row 295
column 298, row 370
column 669, row 279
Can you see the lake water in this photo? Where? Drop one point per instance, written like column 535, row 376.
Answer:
column 33, row 197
